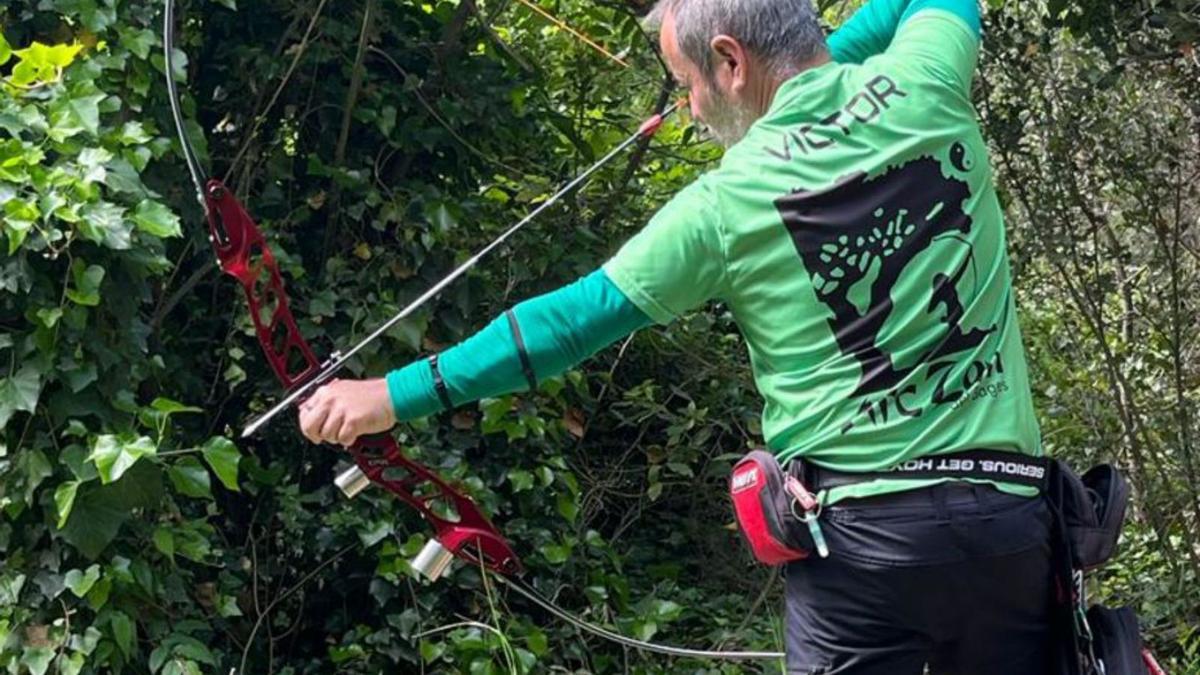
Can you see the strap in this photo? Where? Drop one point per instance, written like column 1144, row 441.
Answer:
column 1070, row 630
column 439, row 384
column 526, row 366
column 998, row 465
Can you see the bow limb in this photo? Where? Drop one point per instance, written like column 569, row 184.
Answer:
column 460, row 528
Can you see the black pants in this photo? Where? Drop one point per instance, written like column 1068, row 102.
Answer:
column 956, row 577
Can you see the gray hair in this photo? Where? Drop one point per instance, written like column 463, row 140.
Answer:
column 785, row 34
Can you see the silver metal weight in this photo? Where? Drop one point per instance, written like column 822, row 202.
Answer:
column 352, row 481
column 433, row 560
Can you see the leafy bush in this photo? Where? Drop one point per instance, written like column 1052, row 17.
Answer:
column 137, row 536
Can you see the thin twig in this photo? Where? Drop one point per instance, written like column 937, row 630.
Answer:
column 283, row 596
column 356, row 77
column 287, row 76
column 446, row 125
column 506, row 48
column 563, row 25
column 184, row 290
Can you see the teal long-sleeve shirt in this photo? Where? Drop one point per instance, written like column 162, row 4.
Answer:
column 558, row 330
column 871, row 29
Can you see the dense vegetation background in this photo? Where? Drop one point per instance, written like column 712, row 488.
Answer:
column 378, row 142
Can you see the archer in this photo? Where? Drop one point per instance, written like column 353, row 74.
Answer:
column 836, row 265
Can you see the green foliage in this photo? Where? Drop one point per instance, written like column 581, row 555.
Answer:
column 1095, row 145
column 138, row 537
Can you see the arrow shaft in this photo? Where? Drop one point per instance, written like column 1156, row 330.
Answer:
column 339, row 359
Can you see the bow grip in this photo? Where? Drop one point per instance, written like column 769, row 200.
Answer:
column 242, row 252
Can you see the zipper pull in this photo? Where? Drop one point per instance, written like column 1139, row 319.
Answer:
column 818, row 537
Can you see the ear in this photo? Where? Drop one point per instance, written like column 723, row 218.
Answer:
column 730, row 61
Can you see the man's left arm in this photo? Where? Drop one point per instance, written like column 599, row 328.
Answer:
column 673, row 264
column 536, row 339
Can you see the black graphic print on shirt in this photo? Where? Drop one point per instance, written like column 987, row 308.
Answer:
column 867, row 231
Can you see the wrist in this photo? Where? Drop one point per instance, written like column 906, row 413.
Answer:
column 382, row 395
column 410, row 392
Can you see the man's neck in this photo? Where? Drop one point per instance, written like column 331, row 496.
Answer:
column 765, row 94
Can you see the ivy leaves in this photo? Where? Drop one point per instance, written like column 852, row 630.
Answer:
column 90, row 513
column 155, row 219
column 85, row 287
column 114, row 455
column 19, row 392
column 223, row 457
column 39, row 63
column 123, row 472
column 63, row 174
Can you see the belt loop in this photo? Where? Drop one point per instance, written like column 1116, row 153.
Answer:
column 980, row 494
column 939, row 494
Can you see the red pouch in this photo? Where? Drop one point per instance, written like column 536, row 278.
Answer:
column 764, row 509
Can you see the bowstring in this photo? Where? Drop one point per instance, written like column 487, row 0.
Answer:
column 578, row 34
column 199, row 177
column 537, row 598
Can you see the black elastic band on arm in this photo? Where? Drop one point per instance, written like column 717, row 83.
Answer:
column 439, row 385
column 526, row 366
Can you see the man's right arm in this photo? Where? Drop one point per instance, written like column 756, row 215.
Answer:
column 871, row 29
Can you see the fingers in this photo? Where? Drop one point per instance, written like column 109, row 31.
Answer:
column 315, row 412
column 349, row 433
column 341, row 411
column 332, row 428
column 312, row 418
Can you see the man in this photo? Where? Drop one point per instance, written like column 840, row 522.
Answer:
column 853, row 229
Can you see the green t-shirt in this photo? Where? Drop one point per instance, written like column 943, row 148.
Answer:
column 856, row 236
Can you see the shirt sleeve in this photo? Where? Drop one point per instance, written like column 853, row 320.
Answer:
column 538, row 338
column 867, row 32
column 941, row 43
column 881, row 26
column 678, row 260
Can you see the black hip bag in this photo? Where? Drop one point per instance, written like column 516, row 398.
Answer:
column 1089, row 511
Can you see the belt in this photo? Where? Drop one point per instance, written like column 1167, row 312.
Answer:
column 998, row 465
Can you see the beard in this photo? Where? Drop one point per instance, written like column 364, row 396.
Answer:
column 726, row 120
